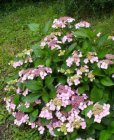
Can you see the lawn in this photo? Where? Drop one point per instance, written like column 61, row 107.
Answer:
column 16, row 36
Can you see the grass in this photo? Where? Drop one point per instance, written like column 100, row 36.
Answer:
column 16, row 36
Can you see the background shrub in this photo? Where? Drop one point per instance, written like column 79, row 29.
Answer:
column 65, row 83
column 73, row 7
column 88, row 7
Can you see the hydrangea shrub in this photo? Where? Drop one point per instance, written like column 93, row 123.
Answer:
column 65, row 85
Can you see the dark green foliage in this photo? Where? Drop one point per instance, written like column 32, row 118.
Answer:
column 87, row 7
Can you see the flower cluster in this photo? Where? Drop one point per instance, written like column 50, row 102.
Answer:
column 74, row 59
column 68, row 121
column 10, row 106
column 10, row 85
column 67, row 38
column 51, row 41
column 24, row 57
column 99, row 111
column 85, row 69
column 62, row 22
column 82, row 24
column 20, row 118
column 109, row 60
column 20, row 91
column 32, row 73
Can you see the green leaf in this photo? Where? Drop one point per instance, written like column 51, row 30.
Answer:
column 89, row 121
column 38, row 62
column 96, row 94
column 24, row 109
column 98, row 72
column 81, row 34
column 16, row 99
column 86, row 47
column 52, row 93
column 102, row 40
column 56, row 59
column 44, row 121
column 33, row 26
column 86, row 110
column 31, row 97
column 71, row 48
column 106, row 96
column 111, row 127
column 98, row 126
column 73, row 135
column 48, row 81
column 33, row 115
column 38, row 51
column 107, row 82
column 48, row 62
column 1, row 117
column 58, row 133
column 111, row 70
column 104, row 135
column 101, row 53
column 62, row 79
column 47, row 26
column 68, row 108
column 83, row 88
column 45, row 96
column 34, row 85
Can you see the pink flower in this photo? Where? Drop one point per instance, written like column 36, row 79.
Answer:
column 27, row 105
column 58, row 114
column 46, row 114
column 52, row 41
column 69, row 61
column 109, row 56
column 82, row 106
column 10, row 106
column 89, row 114
column 43, row 74
column 56, row 124
column 62, row 22
column 76, row 82
column 86, row 60
column 94, row 59
column 25, row 92
column 83, row 125
column 32, row 73
column 76, row 100
column 20, row 118
column 97, row 119
column 82, row 24
column 41, row 129
column 68, row 38
column 102, row 64
column 33, row 125
column 17, row 64
column 69, row 127
column 18, row 91
column 104, row 111
column 38, row 101
column 51, row 106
